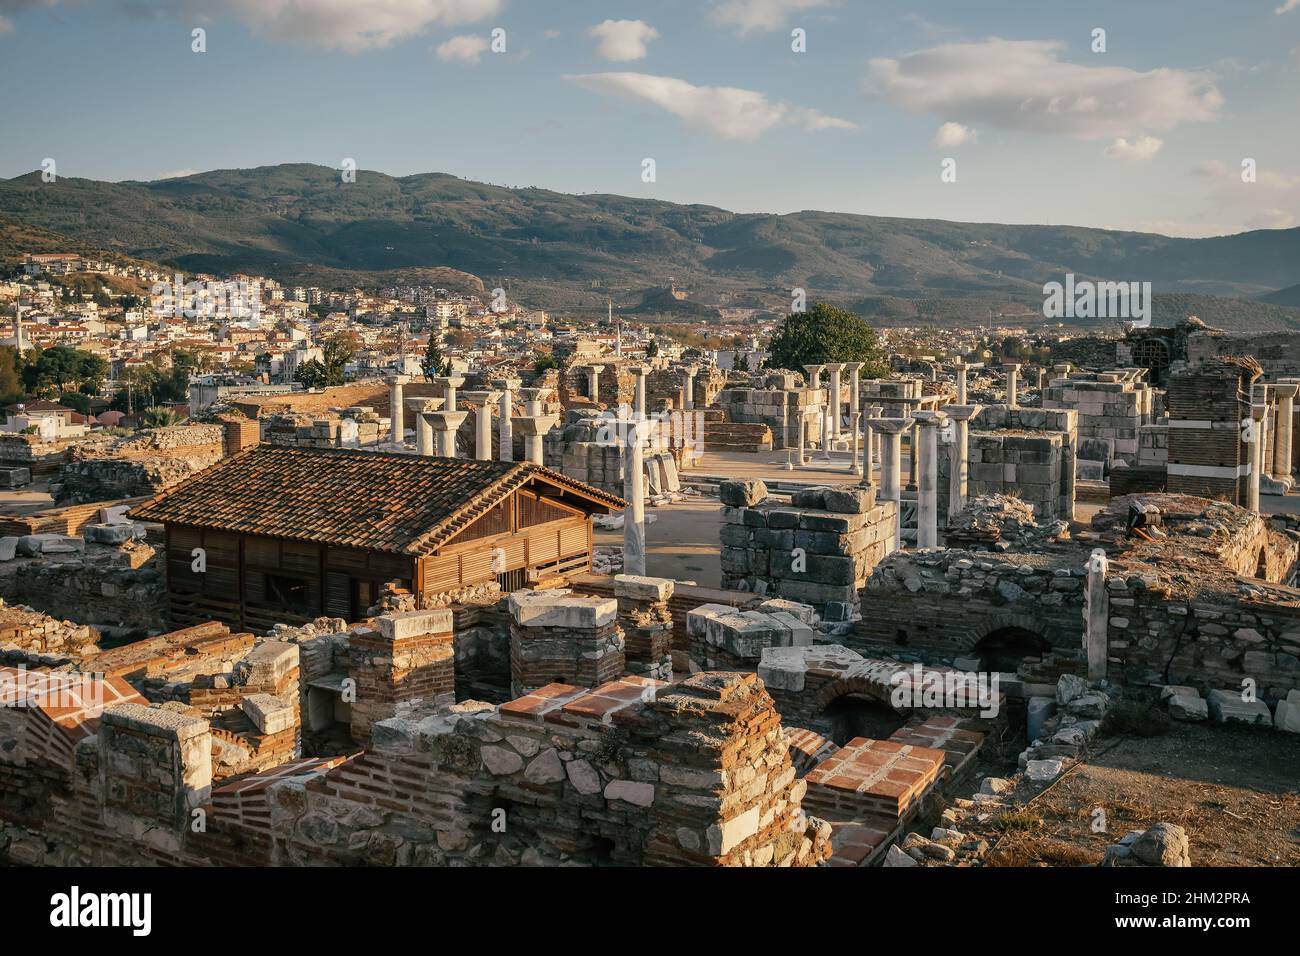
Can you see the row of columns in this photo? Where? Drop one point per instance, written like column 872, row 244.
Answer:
column 437, row 420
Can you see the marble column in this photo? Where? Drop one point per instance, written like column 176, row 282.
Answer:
column 396, row 411
column 873, row 445
column 855, row 386
column 634, row 433
column 483, row 402
column 419, row 408
column 593, row 382
column 639, row 372
column 927, row 508
column 445, row 426
column 814, row 380
column 855, row 462
column 533, row 428
column 803, row 437
column 1258, row 412
column 960, row 368
column 1013, row 378
column 891, row 478
column 506, row 445
column 959, row 463
column 688, row 384
column 835, row 405
column 449, row 384
column 1285, row 392
column 533, row 400
column 1096, row 616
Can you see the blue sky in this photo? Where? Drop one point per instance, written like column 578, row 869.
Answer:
column 1148, row 135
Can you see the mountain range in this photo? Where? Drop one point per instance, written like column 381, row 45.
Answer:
column 303, row 224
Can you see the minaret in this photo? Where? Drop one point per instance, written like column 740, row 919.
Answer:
column 618, row 330
column 18, row 326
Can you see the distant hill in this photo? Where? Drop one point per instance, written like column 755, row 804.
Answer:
column 300, row 223
column 1289, row 296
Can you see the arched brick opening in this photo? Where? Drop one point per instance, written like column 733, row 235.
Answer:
column 1007, row 639
column 857, row 707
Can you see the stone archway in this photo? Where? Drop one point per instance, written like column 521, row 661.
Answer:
column 1007, row 640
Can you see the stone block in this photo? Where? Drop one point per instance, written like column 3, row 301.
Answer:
column 560, row 608
column 269, row 714
column 1227, row 706
column 640, row 588
column 743, row 494
column 1287, row 716
column 397, row 625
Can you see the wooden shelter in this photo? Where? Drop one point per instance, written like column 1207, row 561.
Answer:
column 285, row 535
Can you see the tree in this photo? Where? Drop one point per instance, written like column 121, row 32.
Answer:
column 543, row 363
column 312, row 374
column 826, row 333
column 62, row 369
column 652, row 348
column 742, row 362
column 338, row 351
column 11, row 383
column 434, row 363
column 157, row 416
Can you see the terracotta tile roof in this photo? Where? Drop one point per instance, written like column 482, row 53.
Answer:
column 404, row 504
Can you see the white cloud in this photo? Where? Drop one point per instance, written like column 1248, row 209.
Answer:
column 953, row 134
column 346, row 25
column 1287, row 7
column 464, row 49
column 1271, row 219
column 725, row 111
column 178, row 174
column 1023, row 85
column 767, row 15
column 1144, row 147
column 623, row 39
column 1263, row 204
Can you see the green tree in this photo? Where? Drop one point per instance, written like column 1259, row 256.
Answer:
column 742, row 362
column 652, row 348
column 434, row 364
column 312, row 374
column 11, row 381
column 338, row 351
column 61, row 369
column 77, row 401
column 157, row 416
column 826, row 333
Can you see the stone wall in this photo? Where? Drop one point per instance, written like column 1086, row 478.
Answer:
column 635, row 773
column 778, row 404
column 559, row 637
column 404, row 665
column 940, row 605
column 1112, row 407
column 96, row 585
column 1026, row 452
column 1207, row 454
column 818, row 550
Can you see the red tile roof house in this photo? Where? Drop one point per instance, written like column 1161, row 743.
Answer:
column 286, row 535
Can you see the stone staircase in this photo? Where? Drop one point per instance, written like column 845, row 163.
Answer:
column 723, row 435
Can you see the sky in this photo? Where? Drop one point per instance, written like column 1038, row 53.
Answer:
column 1144, row 126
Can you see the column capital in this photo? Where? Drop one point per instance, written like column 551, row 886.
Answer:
column 481, row 397
column 421, row 404
column 447, row 421
column 397, row 380
column 530, row 426
column 962, row 413
column 891, row 426
column 814, row 375
column 1285, row 390
column 533, row 394
column 834, row 367
column 928, row 417
column 640, row 371
column 450, row 381
column 506, row 384
column 596, row 369
column 1011, row 366
column 854, row 366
